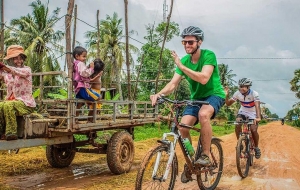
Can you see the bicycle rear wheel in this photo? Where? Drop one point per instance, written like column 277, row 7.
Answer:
column 144, row 179
column 211, row 175
column 242, row 157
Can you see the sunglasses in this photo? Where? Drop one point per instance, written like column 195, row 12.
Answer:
column 243, row 86
column 190, row 42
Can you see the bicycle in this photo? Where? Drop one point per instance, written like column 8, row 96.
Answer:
column 159, row 167
column 245, row 148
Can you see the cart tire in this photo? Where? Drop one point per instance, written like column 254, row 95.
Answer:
column 60, row 156
column 120, row 152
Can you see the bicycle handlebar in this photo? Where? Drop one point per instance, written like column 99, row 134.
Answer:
column 163, row 99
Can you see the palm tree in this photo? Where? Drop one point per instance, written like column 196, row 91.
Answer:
column 295, row 83
column 112, row 49
column 35, row 32
column 226, row 75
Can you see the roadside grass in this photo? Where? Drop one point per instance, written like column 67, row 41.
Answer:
column 156, row 131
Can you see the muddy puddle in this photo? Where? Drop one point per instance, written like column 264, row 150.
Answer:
column 58, row 177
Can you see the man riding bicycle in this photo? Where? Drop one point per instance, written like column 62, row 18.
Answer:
column 199, row 67
column 250, row 108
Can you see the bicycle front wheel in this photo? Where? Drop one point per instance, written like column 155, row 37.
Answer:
column 153, row 168
column 242, row 157
column 210, row 176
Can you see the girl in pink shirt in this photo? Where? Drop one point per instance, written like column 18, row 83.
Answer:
column 81, row 77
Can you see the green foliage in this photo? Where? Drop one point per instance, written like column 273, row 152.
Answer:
column 112, row 50
column 295, row 83
column 183, row 91
column 223, row 130
column 222, row 114
column 35, row 32
column 107, row 96
column 274, row 115
column 156, row 131
column 263, row 121
column 226, row 75
column 150, row 59
column 36, row 93
column 60, row 94
column 293, row 112
column 149, row 131
column 296, row 123
column 268, row 112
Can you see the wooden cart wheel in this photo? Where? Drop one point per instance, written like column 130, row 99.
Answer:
column 120, row 152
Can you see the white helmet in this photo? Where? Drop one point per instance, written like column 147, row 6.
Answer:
column 193, row 31
column 245, row 82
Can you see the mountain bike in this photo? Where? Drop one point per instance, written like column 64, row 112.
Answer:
column 245, row 148
column 159, row 167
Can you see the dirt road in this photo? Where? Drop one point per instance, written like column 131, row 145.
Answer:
column 277, row 169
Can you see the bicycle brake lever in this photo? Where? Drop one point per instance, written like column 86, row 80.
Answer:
column 160, row 100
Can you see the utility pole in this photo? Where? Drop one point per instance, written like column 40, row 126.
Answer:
column 165, row 10
column 2, row 30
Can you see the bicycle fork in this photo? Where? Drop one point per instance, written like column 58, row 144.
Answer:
column 171, row 151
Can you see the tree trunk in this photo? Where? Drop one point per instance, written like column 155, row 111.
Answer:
column 74, row 29
column 127, row 50
column 98, row 36
column 137, row 78
column 162, row 48
column 68, row 20
column 118, row 78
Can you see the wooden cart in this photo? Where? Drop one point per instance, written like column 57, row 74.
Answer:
column 54, row 126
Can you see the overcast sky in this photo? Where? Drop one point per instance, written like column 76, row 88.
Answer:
column 234, row 30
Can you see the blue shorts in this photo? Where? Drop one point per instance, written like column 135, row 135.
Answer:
column 215, row 101
column 88, row 94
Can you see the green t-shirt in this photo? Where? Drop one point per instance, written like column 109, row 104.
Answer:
column 213, row 86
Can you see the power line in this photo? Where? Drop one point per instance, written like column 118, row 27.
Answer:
column 259, row 58
column 269, row 79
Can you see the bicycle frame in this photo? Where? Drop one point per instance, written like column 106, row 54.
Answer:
column 246, row 131
column 175, row 133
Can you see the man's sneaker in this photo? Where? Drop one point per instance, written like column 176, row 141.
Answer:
column 185, row 176
column 257, row 152
column 203, row 160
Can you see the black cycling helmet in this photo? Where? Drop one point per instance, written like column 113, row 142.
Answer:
column 193, row 31
column 245, row 82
